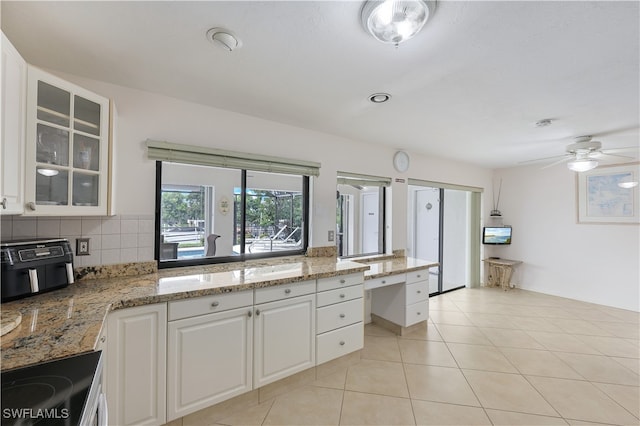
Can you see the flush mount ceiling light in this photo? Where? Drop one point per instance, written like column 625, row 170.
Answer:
column 224, row 39
column 395, row 21
column 378, row 98
column 582, row 164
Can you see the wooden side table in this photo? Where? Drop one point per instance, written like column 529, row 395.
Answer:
column 500, row 271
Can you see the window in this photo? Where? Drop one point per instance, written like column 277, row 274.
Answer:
column 360, row 218
column 209, row 214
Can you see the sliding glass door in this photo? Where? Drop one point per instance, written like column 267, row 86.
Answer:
column 442, row 227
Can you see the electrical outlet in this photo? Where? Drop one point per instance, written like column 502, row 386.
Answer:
column 82, row 247
column 331, row 235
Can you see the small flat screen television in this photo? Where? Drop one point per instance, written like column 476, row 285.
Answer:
column 496, row 235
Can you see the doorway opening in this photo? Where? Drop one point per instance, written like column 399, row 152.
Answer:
column 442, row 227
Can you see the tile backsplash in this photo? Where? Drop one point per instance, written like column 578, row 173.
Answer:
column 112, row 239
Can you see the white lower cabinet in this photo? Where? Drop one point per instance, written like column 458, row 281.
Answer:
column 209, row 360
column 284, row 338
column 165, row 361
column 405, row 303
column 136, row 359
column 340, row 314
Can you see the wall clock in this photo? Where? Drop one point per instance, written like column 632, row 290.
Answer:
column 401, row 161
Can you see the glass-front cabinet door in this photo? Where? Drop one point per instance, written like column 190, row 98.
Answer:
column 67, row 148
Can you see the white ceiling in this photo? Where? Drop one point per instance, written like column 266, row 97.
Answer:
column 469, row 87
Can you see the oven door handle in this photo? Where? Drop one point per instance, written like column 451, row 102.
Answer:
column 103, row 412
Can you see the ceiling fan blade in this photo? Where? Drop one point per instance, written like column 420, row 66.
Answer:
column 613, row 155
column 545, row 159
column 628, row 129
column 623, row 149
column 555, row 163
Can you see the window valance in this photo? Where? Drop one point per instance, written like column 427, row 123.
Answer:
column 203, row 156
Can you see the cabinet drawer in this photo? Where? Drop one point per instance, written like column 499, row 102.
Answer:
column 342, row 341
column 415, row 276
column 417, row 312
column 208, row 304
column 417, row 292
column 339, row 295
column 338, row 315
column 340, row 281
column 385, row 281
column 284, row 291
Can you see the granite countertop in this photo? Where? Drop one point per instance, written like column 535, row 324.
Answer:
column 69, row 321
column 394, row 265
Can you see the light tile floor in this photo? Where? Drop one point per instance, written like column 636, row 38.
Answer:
column 485, row 357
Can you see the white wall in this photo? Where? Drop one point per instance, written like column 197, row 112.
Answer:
column 143, row 115
column 597, row 263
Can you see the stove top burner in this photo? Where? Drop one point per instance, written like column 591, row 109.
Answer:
column 51, row 393
column 42, row 392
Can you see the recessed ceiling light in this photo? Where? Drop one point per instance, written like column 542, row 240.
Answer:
column 224, row 39
column 378, row 98
column 544, row 123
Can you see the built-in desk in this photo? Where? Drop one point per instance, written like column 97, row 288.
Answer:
column 500, row 272
column 399, row 292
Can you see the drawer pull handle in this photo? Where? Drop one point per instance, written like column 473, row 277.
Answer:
column 215, row 304
column 257, row 312
column 287, row 291
column 342, row 296
column 419, row 291
column 342, row 281
column 418, row 313
column 384, row 281
column 341, row 342
column 419, row 276
column 342, row 315
column 103, row 339
column 249, row 314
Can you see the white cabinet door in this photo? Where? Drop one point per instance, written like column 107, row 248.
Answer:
column 14, row 92
column 67, row 148
column 405, row 303
column 136, row 359
column 209, row 360
column 284, row 338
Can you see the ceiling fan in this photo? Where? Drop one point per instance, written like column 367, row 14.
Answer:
column 584, row 154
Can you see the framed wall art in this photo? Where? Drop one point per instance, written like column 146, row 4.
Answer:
column 609, row 194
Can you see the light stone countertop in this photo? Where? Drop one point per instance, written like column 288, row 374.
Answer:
column 394, row 265
column 69, row 321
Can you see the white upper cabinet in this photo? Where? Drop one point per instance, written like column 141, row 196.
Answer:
column 14, row 91
column 67, row 148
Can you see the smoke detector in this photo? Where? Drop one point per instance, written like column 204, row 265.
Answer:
column 544, row 122
column 224, row 39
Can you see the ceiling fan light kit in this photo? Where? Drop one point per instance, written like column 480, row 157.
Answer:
column 395, row 21
column 582, row 165
column 585, row 154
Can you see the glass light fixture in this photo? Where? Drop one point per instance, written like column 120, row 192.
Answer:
column 582, row 164
column 395, row 21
